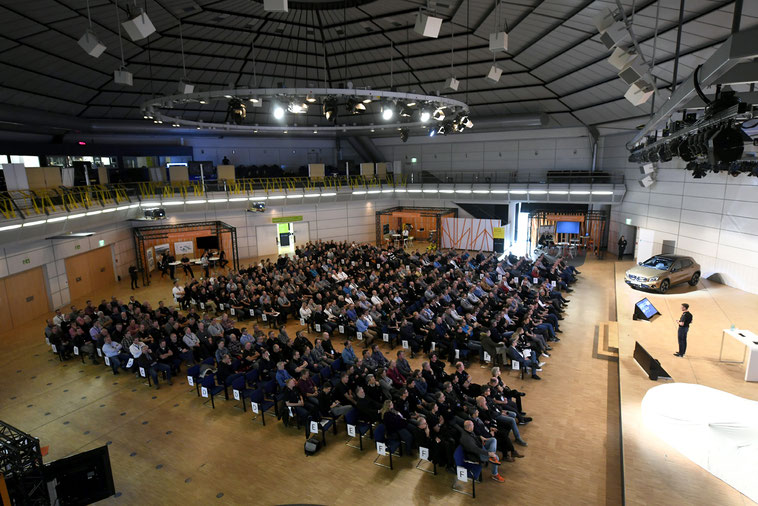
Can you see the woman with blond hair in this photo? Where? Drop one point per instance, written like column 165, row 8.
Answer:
column 396, row 425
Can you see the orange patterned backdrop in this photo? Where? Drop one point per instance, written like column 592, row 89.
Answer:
column 468, row 233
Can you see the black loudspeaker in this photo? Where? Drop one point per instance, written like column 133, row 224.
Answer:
column 644, row 310
column 312, row 446
column 650, row 365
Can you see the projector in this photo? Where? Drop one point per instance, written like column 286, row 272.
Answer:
column 155, row 214
column 257, row 207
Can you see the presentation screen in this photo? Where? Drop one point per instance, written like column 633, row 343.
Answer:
column 207, row 242
column 567, row 227
column 647, row 308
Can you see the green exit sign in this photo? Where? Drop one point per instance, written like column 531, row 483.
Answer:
column 26, row 261
column 77, row 246
column 101, row 242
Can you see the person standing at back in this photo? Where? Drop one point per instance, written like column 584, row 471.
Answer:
column 133, row 276
column 684, row 326
column 622, row 246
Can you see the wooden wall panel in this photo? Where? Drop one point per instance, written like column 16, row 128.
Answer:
column 29, row 296
column 89, row 272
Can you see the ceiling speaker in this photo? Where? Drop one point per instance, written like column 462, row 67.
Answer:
column 648, row 168
column 647, row 181
column 632, row 73
column 185, row 88
column 427, row 25
column 494, row 73
column 621, row 58
column 275, row 6
column 499, row 41
column 139, row 27
column 91, row 44
column 614, row 35
column 452, row 83
column 603, row 20
column 122, row 76
column 639, row 92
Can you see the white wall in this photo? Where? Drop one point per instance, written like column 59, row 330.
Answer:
column 528, row 150
column 713, row 219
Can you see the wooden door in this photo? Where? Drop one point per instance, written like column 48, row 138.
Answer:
column 29, row 296
column 5, row 311
column 89, row 272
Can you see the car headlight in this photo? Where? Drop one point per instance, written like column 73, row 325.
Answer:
column 653, row 279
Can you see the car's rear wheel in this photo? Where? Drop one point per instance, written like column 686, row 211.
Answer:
column 695, row 278
column 664, row 286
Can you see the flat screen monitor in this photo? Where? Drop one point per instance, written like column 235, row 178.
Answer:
column 647, row 308
column 567, row 227
column 207, row 242
column 84, row 478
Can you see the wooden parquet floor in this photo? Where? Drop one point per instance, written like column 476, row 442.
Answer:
column 166, row 447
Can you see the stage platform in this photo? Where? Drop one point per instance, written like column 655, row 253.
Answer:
column 654, row 472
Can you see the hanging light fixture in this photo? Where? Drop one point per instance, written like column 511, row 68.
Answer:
column 277, row 111
column 330, row 109
column 236, row 111
column 425, row 116
column 355, row 106
column 388, row 111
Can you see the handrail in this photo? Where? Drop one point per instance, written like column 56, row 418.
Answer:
column 44, row 201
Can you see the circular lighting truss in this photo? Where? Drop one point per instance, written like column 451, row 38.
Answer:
column 335, row 107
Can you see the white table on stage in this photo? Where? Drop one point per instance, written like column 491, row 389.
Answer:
column 750, row 356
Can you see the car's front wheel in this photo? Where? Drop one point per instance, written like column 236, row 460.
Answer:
column 695, row 278
column 664, row 286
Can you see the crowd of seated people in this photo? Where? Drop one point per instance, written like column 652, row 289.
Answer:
column 448, row 305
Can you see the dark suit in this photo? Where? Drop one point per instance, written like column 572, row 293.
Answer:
column 686, row 319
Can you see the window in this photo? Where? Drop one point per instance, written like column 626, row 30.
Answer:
column 3, row 158
column 677, row 266
column 28, row 161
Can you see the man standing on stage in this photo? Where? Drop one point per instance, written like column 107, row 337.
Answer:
column 684, row 327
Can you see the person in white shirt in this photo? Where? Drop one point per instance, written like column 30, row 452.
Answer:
column 136, row 348
column 305, row 312
column 178, row 292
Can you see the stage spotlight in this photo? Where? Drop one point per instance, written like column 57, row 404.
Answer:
column 466, row 122
column 404, row 134
column 388, row 111
column 442, row 130
column 310, row 98
column 155, row 214
column 355, row 106
column 425, row 116
column 236, row 111
column 297, row 108
column 432, row 131
column 439, row 114
column 277, row 111
column 405, row 112
column 728, row 144
column 330, row 109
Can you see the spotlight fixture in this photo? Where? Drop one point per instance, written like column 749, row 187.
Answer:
column 297, row 108
column 405, row 112
column 466, row 122
column 310, row 99
column 330, row 109
column 355, row 106
column 404, row 134
column 425, row 116
column 439, row 114
column 277, row 111
column 155, row 214
column 236, row 111
column 432, row 131
column 388, row 111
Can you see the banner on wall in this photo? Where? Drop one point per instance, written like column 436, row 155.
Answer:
column 150, row 257
column 468, row 233
column 286, row 219
column 160, row 248
column 498, row 239
column 183, row 248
